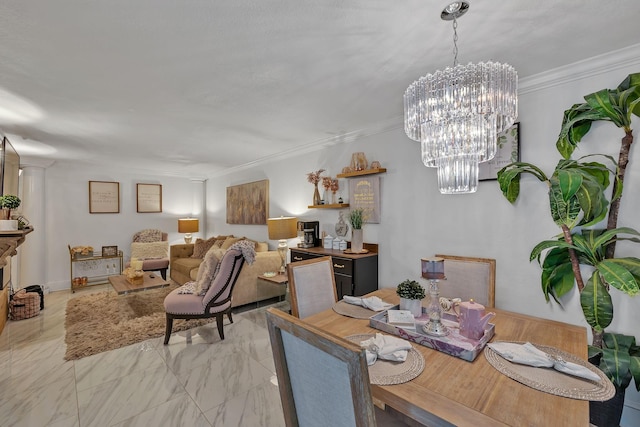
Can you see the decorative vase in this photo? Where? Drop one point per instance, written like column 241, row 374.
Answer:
column 413, row 305
column 5, row 213
column 359, row 161
column 317, row 200
column 356, row 241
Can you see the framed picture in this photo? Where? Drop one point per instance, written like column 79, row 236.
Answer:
column 104, row 197
column 149, row 198
column 248, row 203
column 364, row 192
column 508, row 152
column 109, row 251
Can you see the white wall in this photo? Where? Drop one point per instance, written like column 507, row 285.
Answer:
column 68, row 221
column 417, row 221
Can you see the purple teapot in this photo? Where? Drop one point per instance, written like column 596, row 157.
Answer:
column 473, row 319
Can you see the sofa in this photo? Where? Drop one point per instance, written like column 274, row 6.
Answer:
column 183, row 267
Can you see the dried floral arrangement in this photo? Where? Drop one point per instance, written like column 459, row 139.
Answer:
column 82, row 250
column 334, row 186
column 326, row 182
column 314, row 177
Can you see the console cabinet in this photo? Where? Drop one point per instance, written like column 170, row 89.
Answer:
column 355, row 275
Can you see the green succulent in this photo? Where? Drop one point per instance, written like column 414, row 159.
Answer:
column 356, row 218
column 410, row 289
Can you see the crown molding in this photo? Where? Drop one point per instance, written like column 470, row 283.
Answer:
column 596, row 65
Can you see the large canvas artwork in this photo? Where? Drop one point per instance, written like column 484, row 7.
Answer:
column 248, row 203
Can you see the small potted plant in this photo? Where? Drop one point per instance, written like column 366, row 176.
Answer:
column 356, row 218
column 411, row 293
column 7, row 203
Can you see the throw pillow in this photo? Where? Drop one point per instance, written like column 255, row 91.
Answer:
column 206, row 273
column 220, row 240
column 230, row 241
column 201, row 247
column 262, row 247
column 150, row 250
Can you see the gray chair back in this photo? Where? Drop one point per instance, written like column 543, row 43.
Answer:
column 469, row 278
column 312, row 286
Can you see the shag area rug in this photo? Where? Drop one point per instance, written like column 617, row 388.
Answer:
column 106, row 321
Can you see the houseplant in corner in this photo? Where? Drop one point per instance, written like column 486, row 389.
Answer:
column 411, row 294
column 7, row 203
column 577, row 200
column 356, row 218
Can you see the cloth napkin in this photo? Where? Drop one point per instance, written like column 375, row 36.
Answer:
column 528, row 354
column 372, row 303
column 385, row 347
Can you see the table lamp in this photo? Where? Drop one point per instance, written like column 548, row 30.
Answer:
column 433, row 270
column 188, row 226
column 281, row 229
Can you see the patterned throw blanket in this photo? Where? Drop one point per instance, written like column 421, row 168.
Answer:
column 147, row 236
column 248, row 252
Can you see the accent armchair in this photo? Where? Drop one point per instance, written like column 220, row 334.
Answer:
column 216, row 302
column 152, row 247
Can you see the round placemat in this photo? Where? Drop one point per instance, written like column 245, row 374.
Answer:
column 554, row 382
column 352, row 310
column 386, row 372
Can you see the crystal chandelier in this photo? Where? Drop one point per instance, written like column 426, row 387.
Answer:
column 457, row 113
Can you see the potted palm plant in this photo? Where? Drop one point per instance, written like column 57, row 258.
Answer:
column 578, row 200
column 411, row 294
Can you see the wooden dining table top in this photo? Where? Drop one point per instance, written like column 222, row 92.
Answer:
column 453, row 391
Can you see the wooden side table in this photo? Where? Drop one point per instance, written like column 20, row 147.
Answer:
column 278, row 279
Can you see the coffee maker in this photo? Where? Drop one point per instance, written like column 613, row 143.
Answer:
column 309, row 232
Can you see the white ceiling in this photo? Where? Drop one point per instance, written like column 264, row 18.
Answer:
column 199, row 87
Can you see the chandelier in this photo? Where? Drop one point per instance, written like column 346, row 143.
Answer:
column 457, row 113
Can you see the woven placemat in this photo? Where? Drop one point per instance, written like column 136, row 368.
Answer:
column 352, row 310
column 386, row 372
column 554, row 382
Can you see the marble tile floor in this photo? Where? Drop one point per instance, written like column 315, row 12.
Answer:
column 196, row 380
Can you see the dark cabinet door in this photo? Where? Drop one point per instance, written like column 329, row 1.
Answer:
column 344, row 285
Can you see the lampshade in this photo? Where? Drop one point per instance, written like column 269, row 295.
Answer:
column 188, row 225
column 457, row 113
column 282, row 228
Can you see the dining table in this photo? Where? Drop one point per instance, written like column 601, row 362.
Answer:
column 453, row 391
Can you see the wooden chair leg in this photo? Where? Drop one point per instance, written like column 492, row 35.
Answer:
column 219, row 320
column 229, row 315
column 167, row 332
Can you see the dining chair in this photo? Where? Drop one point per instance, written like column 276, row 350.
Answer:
column 468, row 278
column 216, row 302
column 312, row 286
column 323, row 379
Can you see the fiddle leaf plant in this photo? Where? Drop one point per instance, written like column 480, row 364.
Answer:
column 578, row 199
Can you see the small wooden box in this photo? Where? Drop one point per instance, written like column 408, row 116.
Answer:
column 135, row 280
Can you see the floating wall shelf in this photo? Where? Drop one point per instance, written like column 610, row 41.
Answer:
column 360, row 173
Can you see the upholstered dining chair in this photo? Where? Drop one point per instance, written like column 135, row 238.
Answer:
column 468, row 278
column 312, row 286
column 216, row 302
column 323, row 379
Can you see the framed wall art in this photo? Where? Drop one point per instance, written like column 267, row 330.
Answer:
column 110, row 251
column 508, row 152
column 149, row 198
column 248, row 203
column 364, row 192
column 104, row 197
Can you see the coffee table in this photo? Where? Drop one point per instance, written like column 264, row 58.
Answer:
column 122, row 286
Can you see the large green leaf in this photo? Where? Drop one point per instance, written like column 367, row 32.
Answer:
column 547, row 244
column 562, row 212
column 602, row 102
column 596, row 303
column 630, row 264
column 569, row 183
column 634, row 367
column 616, row 364
column 509, row 178
column 618, row 276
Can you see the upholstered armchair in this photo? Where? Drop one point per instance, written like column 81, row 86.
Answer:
column 152, row 247
column 210, row 295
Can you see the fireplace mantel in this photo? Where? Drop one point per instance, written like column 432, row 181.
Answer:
column 9, row 242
